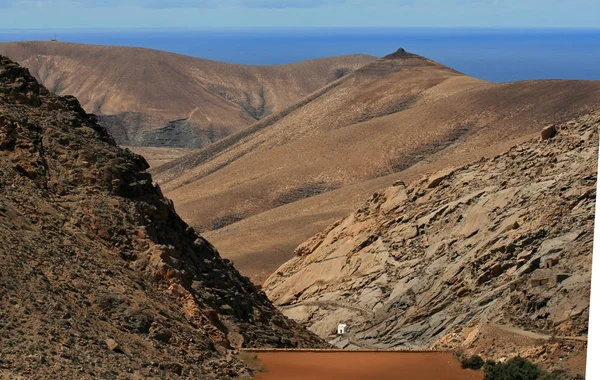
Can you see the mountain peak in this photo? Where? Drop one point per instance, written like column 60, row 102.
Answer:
column 401, row 54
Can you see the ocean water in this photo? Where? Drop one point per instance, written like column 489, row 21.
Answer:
column 498, row 55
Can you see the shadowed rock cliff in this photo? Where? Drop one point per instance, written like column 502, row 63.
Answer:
column 99, row 277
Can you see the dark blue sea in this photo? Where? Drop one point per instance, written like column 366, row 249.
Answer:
column 498, row 55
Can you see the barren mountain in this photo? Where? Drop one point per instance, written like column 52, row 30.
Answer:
column 153, row 98
column 493, row 258
column 297, row 171
column 99, row 277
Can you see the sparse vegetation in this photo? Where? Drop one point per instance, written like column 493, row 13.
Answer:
column 224, row 221
column 306, row 191
column 517, row 368
column 341, row 72
column 401, row 105
column 256, row 112
column 473, row 362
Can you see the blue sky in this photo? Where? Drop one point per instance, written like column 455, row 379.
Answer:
column 26, row 14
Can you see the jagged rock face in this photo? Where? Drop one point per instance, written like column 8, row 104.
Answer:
column 504, row 242
column 99, row 277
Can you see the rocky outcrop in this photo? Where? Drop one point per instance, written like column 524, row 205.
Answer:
column 99, row 277
column 504, row 243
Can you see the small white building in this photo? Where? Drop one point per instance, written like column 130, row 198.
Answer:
column 342, row 327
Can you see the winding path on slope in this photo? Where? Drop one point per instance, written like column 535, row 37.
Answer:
column 534, row 335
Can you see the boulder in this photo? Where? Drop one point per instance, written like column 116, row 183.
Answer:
column 549, row 132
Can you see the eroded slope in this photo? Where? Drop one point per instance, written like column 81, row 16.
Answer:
column 154, row 98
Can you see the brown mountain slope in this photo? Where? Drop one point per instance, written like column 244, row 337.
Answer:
column 399, row 116
column 99, row 277
column 154, row 98
column 157, row 156
column 494, row 258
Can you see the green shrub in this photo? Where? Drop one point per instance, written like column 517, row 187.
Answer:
column 516, row 369
column 341, row 72
column 474, row 362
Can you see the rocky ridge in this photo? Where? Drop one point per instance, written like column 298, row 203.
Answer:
column 99, row 276
column 493, row 258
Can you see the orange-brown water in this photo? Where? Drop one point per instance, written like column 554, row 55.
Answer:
column 362, row 365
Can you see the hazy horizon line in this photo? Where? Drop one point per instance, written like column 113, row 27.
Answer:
column 512, row 28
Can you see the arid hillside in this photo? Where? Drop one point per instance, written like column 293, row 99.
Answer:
column 154, row 98
column 99, row 277
column 297, row 171
column 156, row 156
column 493, row 258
